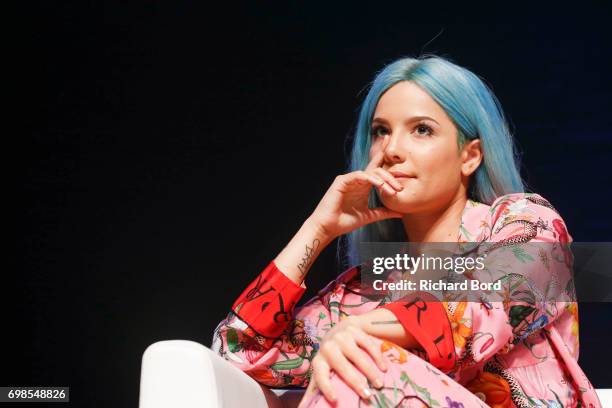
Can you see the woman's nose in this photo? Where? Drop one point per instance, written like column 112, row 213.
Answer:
column 395, row 152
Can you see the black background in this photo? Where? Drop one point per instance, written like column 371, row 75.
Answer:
column 172, row 151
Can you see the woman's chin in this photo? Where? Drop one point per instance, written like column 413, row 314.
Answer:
column 400, row 204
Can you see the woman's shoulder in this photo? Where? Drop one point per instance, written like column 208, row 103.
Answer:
column 524, row 205
column 529, row 212
column 523, row 200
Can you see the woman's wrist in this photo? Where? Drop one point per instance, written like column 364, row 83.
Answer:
column 300, row 253
column 319, row 230
column 383, row 324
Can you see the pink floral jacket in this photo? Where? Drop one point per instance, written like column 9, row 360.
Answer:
column 527, row 346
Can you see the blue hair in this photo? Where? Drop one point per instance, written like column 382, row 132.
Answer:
column 476, row 113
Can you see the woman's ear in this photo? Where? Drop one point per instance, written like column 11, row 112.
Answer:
column 471, row 157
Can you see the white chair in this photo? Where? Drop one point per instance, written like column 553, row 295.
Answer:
column 186, row 374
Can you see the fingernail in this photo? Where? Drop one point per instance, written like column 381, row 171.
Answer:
column 378, row 383
column 366, row 392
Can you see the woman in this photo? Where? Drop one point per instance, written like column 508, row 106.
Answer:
column 432, row 161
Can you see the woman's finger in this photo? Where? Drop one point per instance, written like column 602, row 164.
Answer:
column 359, row 358
column 377, row 159
column 371, row 178
column 388, row 177
column 351, row 375
column 362, row 177
column 387, row 188
column 365, row 342
column 335, row 358
column 321, row 371
column 310, row 390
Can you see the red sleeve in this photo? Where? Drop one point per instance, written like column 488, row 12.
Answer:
column 267, row 304
column 425, row 318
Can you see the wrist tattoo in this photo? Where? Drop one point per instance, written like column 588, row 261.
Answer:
column 308, row 255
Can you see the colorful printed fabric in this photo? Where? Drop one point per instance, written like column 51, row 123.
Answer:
column 521, row 352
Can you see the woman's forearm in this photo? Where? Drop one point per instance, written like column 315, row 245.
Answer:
column 383, row 324
column 298, row 256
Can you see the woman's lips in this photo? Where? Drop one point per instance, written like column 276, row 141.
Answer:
column 398, row 175
column 404, row 179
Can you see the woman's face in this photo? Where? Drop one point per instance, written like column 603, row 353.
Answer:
column 422, row 145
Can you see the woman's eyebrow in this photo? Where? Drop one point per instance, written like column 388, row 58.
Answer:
column 409, row 120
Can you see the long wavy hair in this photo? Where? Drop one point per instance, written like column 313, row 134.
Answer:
column 476, row 113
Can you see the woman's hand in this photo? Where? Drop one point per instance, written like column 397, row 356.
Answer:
column 344, row 207
column 351, row 353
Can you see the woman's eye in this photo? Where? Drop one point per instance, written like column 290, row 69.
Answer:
column 424, row 130
column 379, row 131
